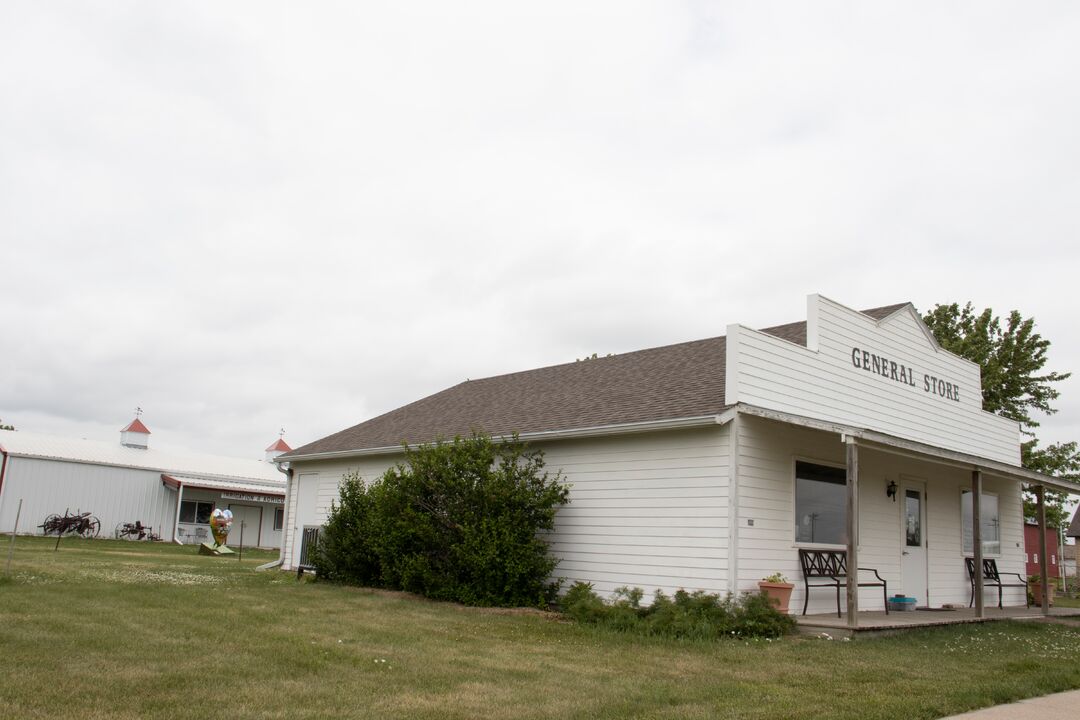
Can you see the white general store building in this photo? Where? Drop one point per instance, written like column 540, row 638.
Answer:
column 172, row 492
column 709, row 464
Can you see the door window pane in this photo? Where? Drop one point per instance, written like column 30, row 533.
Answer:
column 913, row 512
column 820, row 504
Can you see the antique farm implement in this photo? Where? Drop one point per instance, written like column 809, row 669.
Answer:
column 135, row 531
column 83, row 524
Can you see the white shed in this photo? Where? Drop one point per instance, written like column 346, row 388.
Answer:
column 172, row 492
column 711, row 464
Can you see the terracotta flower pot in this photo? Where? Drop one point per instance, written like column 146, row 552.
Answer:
column 1037, row 594
column 779, row 593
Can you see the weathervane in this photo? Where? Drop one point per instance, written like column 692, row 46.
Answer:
column 282, row 433
column 138, row 411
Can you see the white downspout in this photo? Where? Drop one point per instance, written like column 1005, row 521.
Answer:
column 284, row 469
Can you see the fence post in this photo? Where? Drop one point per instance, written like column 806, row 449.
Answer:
column 11, row 547
column 60, row 530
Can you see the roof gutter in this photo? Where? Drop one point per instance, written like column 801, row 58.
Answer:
column 542, row 435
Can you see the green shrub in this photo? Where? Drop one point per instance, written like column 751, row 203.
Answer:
column 346, row 551
column 696, row 615
column 460, row 520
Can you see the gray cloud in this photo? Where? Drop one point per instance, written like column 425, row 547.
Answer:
column 261, row 214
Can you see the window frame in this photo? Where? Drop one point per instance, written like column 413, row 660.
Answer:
column 794, row 502
column 970, row 552
column 279, row 512
column 196, row 503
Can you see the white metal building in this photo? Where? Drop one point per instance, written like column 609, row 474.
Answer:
column 709, row 464
column 124, row 482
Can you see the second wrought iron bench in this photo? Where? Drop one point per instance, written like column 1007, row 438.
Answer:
column 992, row 578
column 828, row 568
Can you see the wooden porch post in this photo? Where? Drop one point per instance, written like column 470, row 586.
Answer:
column 176, row 518
column 976, row 540
column 1040, row 495
column 852, row 531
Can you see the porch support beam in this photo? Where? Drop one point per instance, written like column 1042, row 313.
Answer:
column 1040, row 496
column 852, row 531
column 733, row 506
column 976, row 540
column 176, row 517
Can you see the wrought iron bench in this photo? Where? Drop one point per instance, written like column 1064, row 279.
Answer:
column 830, row 566
column 992, row 578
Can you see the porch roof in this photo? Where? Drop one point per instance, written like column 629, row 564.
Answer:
column 891, row 444
column 175, row 481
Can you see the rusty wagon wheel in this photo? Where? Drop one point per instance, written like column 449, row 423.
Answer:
column 51, row 524
column 91, row 528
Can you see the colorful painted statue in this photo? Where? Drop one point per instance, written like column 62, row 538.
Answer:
column 220, row 522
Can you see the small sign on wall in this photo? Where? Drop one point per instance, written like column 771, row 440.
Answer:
column 269, row 499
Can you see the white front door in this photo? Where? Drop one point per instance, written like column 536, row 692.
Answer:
column 306, row 494
column 913, row 540
column 251, row 517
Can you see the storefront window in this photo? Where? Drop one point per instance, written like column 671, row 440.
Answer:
column 194, row 511
column 820, row 504
column 991, row 527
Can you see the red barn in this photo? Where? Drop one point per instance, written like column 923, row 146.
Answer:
column 1031, row 549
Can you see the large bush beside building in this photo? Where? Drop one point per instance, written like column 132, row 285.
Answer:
column 458, row 520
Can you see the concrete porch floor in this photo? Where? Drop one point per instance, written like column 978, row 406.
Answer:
column 877, row 622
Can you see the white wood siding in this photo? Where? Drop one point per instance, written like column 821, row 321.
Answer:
column 646, row 510
column 768, row 451
column 288, row 535
column 820, row 381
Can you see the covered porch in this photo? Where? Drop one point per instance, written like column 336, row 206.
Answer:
column 962, row 495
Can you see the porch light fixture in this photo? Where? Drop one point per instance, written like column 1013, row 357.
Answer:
column 890, row 490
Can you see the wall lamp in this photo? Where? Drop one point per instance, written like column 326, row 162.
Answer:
column 890, row 490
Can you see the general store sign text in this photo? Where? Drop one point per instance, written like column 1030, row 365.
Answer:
column 904, row 374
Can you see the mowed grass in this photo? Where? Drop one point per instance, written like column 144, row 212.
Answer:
column 112, row 629
column 1066, row 601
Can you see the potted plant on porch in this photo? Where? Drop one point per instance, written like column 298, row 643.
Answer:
column 1036, row 588
column 777, row 587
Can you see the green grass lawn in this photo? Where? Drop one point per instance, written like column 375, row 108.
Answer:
column 1065, row 601
column 112, row 629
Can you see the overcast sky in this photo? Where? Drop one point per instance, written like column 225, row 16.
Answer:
column 247, row 216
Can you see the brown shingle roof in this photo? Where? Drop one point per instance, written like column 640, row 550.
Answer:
column 1074, row 527
column 675, row 381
